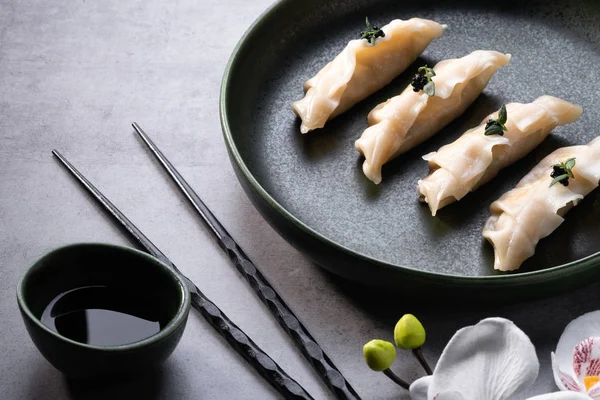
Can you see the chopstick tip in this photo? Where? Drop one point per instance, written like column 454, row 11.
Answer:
column 138, row 129
column 59, row 156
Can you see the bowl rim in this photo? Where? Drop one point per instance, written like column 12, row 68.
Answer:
column 173, row 325
column 521, row 278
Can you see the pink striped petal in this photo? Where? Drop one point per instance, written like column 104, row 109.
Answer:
column 569, row 382
column 594, row 391
column 563, row 380
column 586, row 358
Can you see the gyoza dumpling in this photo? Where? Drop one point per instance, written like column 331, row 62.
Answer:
column 361, row 69
column 473, row 159
column 534, row 209
column 406, row 120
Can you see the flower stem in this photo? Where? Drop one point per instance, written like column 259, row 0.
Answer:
column 388, row 372
column 418, row 353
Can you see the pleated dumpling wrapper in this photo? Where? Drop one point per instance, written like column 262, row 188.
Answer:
column 474, row 159
column 534, row 209
column 362, row 68
column 408, row 119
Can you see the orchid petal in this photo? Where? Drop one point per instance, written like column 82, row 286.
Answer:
column 419, row 388
column 492, row 360
column 561, row 396
column 586, row 358
column 579, row 329
column 448, row 396
column 594, row 391
column 563, row 380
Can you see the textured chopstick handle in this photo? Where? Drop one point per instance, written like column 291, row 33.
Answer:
column 309, row 347
column 261, row 362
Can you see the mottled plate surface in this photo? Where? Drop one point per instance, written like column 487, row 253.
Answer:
column 314, row 184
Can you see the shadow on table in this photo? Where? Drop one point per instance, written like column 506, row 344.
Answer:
column 145, row 386
column 542, row 319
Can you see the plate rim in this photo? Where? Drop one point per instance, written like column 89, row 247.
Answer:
column 551, row 273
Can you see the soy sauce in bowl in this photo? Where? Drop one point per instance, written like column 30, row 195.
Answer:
column 104, row 316
column 98, row 309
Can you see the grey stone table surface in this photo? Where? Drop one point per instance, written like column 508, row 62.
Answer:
column 73, row 76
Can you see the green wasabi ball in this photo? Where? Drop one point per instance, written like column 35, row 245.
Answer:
column 379, row 354
column 409, row 332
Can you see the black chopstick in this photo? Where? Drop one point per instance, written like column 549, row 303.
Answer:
column 279, row 309
column 260, row 360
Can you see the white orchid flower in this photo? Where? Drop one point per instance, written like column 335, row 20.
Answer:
column 493, row 360
column 576, row 363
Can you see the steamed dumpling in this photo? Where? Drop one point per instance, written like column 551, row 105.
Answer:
column 361, row 69
column 408, row 119
column 533, row 209
column 473, row 159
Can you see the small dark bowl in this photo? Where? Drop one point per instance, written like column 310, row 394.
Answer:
column 89, row 264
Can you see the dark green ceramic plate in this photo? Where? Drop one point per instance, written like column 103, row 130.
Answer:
column 311, row 188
